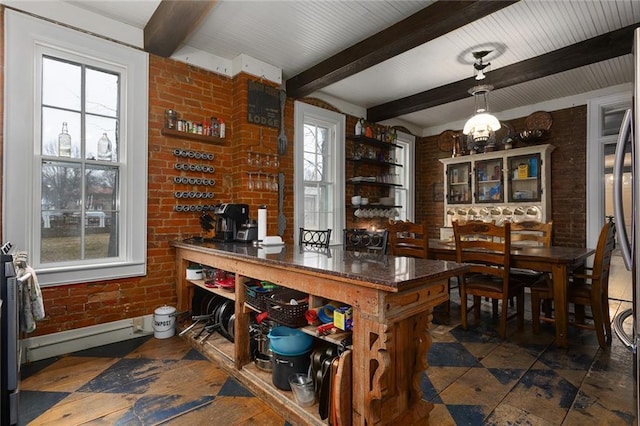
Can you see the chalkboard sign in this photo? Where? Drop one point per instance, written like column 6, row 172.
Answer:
column 263, row 105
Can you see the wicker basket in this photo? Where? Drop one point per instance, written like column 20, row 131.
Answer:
column 257, row 296
column 280, row 310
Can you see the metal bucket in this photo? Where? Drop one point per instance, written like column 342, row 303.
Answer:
column 164, row 322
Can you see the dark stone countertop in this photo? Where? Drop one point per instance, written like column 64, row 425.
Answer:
column 374, row 269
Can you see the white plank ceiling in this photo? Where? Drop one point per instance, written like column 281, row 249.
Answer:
column 296, row 35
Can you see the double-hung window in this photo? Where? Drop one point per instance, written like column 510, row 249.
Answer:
column 75, row 152
column 319, row 170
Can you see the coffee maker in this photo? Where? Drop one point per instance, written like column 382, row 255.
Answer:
column 229, row 218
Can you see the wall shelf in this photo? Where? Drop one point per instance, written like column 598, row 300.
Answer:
column 373, row 161
column 184, row 135
column 372, row 141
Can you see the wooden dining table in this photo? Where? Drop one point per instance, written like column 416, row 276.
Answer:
column 559, row 261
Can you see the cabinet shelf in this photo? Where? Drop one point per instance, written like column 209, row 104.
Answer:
column 372, row 142
column 335, row 338
column 228, row 294
column 373, row 161
column 184, row 135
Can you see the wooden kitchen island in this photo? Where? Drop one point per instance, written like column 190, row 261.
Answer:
column 392, row 300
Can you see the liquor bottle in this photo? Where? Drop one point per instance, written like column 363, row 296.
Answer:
column 64, row 142
column 359, row 127
column 222, row 129
column 105, row 149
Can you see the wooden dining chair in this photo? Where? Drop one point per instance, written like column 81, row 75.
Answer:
column 486, row 247
column 531, row 234
column 408, row 239
column 585, row 289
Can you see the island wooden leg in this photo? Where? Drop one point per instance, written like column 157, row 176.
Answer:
column 388, row 361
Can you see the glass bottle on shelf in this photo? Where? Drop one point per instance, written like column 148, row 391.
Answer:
column 64, row 142
column 105, row 149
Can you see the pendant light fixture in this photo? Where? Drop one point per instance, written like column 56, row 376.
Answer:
column 482, row 125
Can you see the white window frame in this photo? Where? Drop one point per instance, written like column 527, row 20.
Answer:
column 336, row 122
column 407, row 176
column 25, row 38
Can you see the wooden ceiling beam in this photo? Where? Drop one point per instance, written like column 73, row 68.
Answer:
column 597, row 49
column 428, row 24
column 172, row 22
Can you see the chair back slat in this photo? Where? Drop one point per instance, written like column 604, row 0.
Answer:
column 486, row 247
column 408, row 239
column 531, row 233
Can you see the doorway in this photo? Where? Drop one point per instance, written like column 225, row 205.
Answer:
column 604, row 120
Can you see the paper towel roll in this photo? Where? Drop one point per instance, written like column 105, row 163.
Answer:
column 262, row 222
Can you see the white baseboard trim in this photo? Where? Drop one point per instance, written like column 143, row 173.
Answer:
column 64, row 342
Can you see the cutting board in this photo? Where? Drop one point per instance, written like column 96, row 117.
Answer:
column 342, row 390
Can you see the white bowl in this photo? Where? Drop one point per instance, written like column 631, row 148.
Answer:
column 364, row 201
column 356, row 200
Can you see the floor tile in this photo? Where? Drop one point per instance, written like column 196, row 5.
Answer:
column 67, row 374
column 544, row 394
column 35, row 403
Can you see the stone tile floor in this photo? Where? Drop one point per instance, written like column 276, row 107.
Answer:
column 474, row 379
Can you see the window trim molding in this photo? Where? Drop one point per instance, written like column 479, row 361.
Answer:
column 23, row 35
column 302, row 110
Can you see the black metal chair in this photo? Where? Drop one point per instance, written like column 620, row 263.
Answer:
column 359, row 239
column 315, row 238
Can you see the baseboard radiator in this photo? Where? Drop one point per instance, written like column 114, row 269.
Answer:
column 64, row 342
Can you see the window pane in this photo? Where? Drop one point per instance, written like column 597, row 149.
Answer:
column 61, row 84
column 100, row 203
column 96, row 127
column 61, row 207
column 52, row 124
column 102, row 93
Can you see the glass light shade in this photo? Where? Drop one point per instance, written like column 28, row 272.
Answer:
column 480, row 126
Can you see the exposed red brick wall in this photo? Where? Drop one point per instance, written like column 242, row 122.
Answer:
column 197, row 94
column 568, row 170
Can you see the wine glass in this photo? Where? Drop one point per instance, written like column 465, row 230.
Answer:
column 267, row 161
column 258, row 183
column 274, row 184
column 249, row 160
column 276, row 161
column 250, row 184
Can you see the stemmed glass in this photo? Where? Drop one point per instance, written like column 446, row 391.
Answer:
column 250, row 184
column 276, row 161
column 267, row 161
column 249, row 160
column 258, row 183
column 274, row 184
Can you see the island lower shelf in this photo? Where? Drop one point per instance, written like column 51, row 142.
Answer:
column 391, row 320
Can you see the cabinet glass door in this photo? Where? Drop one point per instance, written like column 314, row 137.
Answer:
column 489, row 180
column 459, row 183
column 524, row 178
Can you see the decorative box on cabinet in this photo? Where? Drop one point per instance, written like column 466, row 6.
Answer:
column 512, row 184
